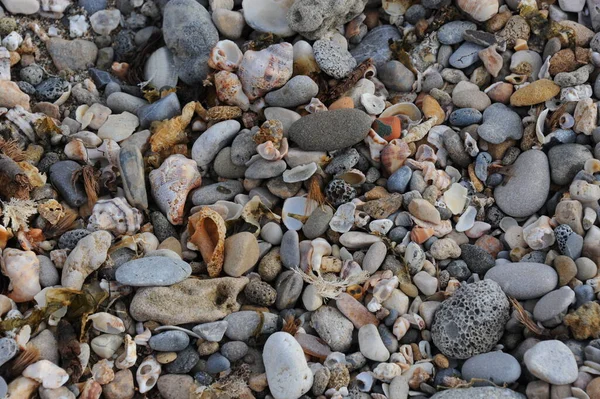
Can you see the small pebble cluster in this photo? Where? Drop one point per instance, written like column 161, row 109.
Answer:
column 286, row 199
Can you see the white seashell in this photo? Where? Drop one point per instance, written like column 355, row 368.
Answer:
column 384, row 288
column 407, row 352
column 115, row 215
column 23, row 337
column 395, row 7
column 84, row 354
column 4, row 64
column 343, row 219
column 471, row 145
column 83, row 116
column 143, row 337
column 376, row 144
column 478, row 229
column 147, row 374
column 576, row 93
column 381, row 226
column 364, row 381
column 47, row 373
column 23, row 270
column 480, row 10
column 265, row 70
column 268, row 151
column 229, row 90
column 106, row 345
column 299, row 207
column 299, row 173
column 334, row 358
column 225, row 56
column 387, row 371
column 128, row 358
column 408, row 109
column 315, row 106
column 268, row 16
column 319, row 248
column 544, row 72
column 539, row 126
column 102, row 371
column 171, row 184
column 234, row 211
column 24, row 121
column 78, row 26
column 466, row 220
column 76, row 150
column 353, row 177
column 304, row 59
column 456, row 198
column 159, row 70
column 373, row 104
column 89, row 139
column 539, row 235
column 296, row 157
column 107, row 152
column 401, row 327
column 107, row 323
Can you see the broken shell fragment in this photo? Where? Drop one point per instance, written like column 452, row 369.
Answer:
column 107, row 323
column 44, row 371
column 296, row 210
column 23, row 269
column 207, row 232
column 299, row 173
column 225, row 56
column 115, row 215
column 147, row 374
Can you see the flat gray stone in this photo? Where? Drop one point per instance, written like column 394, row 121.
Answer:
column 566, row 160
column 524, row 280
column 153, row 271
column 479, row 393
column 169, row 341
column 552, row 361
column 466, row 55
column 375, row 45
column 452, row 32
column 500, row 123
column 528, row 186
column 553, row 304
column 496, row 367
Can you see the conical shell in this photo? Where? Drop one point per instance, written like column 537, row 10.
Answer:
column 207, row 232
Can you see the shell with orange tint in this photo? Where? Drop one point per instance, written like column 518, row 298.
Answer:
column 207, row 232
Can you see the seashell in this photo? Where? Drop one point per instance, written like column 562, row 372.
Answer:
column 426, row 154
column 47, row 373
column 394, row 155
column 381, row 226
column 225, row 56
column 410, row 110
column 373, row 105
column 388, row 128
column 107, row 323
column 23, row 269
column 353, row 177
column 516, row 79
column 159, row 69
column 102, row 371
column 265, row 70
column 147, row 374
column 576, row 93
column 343, row 219
column 361, row 219
column 299, row 173
column 407, row 353
column 90, row 139
column 416, row 133
column 227, row 209
column 376, row 144
column 268, row 151
column 592, row 166
column 4, row 64
column 540, row 234
column 364, row 381
column 395, row 7
column 401, row 327
column 107, row 152
column 115, row 215
column 319, row 248
column 171, row 184
column 540, row 125
column 256, row 213
column 5, row 235
column 466, row 220
column 315, row 106
column 384, row 288
column 229, row 90
column 57, row 6
column 296, row 210
column 143, row 337
column 304, row 59
column 83, row 116
column 492, row 61
column 120, row 69
column 24, row 121
column 128, row 358
column 480, row 10
column 566, row 121
column 207, row 230
column 425, row 349
column 456, row 198
column 387, row 371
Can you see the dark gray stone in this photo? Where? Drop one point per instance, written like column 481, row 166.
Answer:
column 212, row 193
column 566, row 160
column 186, row 360
column 61, row 177
column 497, row 367
column 375, row 45
column 165, row 108
column 169, row 341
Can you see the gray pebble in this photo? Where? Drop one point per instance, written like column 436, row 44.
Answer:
column 243, row 324
column 334, row 60
column 497, row 367
column 48, row 273
column 8, row 349
column 153, row 271
column 120, row 102
column 499, row 124
column 165, row 108
column 524, row 280
column 217, row 363
column 185, row 361
column 289, row 288
column 224, row 167
column 234, row 350
column 452, row 32
column 318, row 222
column 212, row 193
column 333, row 328
column 169, row 341
column 396, row 77
column 298, row 90
column 212, row 331
column 466, row 55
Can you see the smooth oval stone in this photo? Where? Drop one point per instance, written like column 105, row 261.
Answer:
column 500, row 123
column 466, row 55
column 153, row 271
column 479, row 393
column 160, row 69
column 217, row 363
column 290, row 249
column 169, row 341
column 131, row 166
column 497, row 367
column 222, row 191
column 552, row 361
column 355, row 311
column 120, row 102
column 566, row 160
column 288, row 374
column 330, row 130
column 61, row 177
column 244, row 324
column 524, row 280
column 526, row 190
column 8, row 349
column 371, row 345
column 452, row 32
column 375, row 45
column 553, row 304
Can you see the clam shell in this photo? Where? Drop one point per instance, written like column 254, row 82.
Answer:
column 480, row 10
column 207, row 232
column 353, row 177
column 298, row 207
column 225, row 56
column 408, row 109
column 299, row 173
column 160, row 70
column 539, row 126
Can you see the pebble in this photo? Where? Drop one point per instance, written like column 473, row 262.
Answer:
column 217, row 363
column 288, row 374
column 119, row 127
column 500, row 123
column 241, row 254
column 526, row 190
column 534, row 93
column 61, row 176
column 452, row 32
column 289, row 288
column 186, row 360
column 331, row 130
column 396, row 77
column 398, row 181
column 76, row 55
column 173, row 386
column 243, row 325
column 333, row 328
column 496, row 367
column 479, row 393
column 51, row 89
column 169, row 341
column 234, row 350
column 268, row 16
column 524, row 280
column 212, row 332
column 153, row 271
column 223, row 191
column 318, row 222
column 371, row 345
column 551, row 305
column 213, row 140
column 165, row 108
column 566, row 160
column 465, row 117
column 8, row 350
column 551, row 361
column 298, row 90
column 466, row 55
column 375, row 45
column 105, row 21
column 477, row 259
column 374, row 257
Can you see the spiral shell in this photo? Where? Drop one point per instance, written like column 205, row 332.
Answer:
column 265, row 70
column 171, row 184
column 225, row 56
column 401, row 327
column 207, row 232
column 394, row 155
column 229, row 90
column 115, row 215
column 23, row 270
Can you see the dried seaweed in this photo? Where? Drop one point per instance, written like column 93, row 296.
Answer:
column 329, row 96
column 136, row 66
column 11, row 149
column 15, row 367
column 167, row 133
column 14, row 182
column 525, row 319
column 69, row 350
column 262, row 41
column 291, row 324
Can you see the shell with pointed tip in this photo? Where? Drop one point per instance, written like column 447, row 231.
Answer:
column 207, row 232
column 128, row 358
column 147, row 374
column 44, row 371
column 408, row 109
column 171, row 184
column 225, row 56
column 394, row 155
column 23, row 270
column 265, row 70
column 107, row 323
column 479, row 10
column 115, row 215
column 229, row 90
